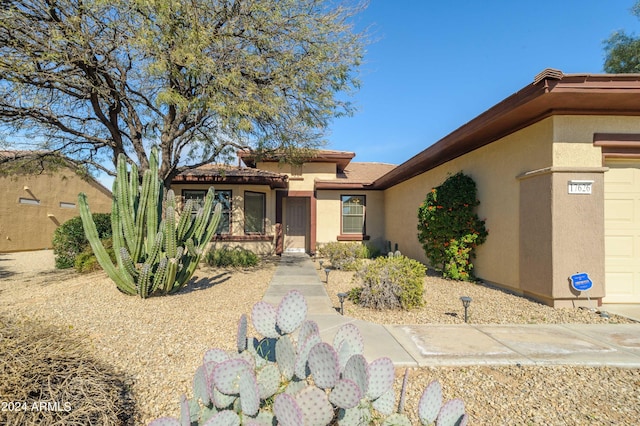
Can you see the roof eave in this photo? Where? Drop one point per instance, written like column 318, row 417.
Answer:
column 579, row 94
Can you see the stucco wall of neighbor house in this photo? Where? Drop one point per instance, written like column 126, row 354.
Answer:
column 329, row 215
column 495, row 168
column 31, row 226
column 237, row 203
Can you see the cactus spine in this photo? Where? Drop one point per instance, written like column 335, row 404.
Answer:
column 153, row 256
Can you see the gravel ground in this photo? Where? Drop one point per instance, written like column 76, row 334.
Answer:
column 158, row 343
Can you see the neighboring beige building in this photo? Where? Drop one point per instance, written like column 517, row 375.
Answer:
column 557, row 167
column 33, row 204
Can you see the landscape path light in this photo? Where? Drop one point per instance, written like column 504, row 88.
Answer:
column 326, row 271
column 342, row 296
column 466, row 301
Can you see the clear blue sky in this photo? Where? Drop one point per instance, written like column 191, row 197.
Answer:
column 435, row 65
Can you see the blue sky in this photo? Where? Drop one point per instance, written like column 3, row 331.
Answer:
column 432, row 66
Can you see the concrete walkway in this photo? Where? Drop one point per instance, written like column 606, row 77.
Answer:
column 465, row 344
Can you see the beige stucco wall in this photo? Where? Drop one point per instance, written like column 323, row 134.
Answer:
column 494, row 168
column 31, row 227
column 237, row 203
column 329, row 212
column 310, row 172
column 573, row 137
column 539, row 234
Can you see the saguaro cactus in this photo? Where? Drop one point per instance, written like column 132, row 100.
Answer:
column 157, row 252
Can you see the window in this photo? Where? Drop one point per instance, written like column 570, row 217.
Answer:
column 30, row 201
column 353, row 207
column 254, row 212
column 223, row 197
column 67, row 205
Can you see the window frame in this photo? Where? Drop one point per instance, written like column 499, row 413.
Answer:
column 363, row 231
column 264, row 213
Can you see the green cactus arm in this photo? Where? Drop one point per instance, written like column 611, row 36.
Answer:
column 125, row 206
column 160, row 274
column 170, row 276
column 185, row 221
column 201, row 226
column 211, row 229
column 154, row 254
column 134, row 191
column 123, row 281
column 154, row 205
column 141, row 217
column 170, row 231
column 144, row 280
column 127, row 264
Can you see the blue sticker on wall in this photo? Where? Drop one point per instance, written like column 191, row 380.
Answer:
column 581, row 282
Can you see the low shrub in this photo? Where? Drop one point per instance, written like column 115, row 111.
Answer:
column 69, row 239
column 395, row 282
column 87, row 262
column 345, row 256
column 232, row 257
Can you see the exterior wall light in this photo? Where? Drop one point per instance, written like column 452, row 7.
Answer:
column 342, row 296
column 466, row 301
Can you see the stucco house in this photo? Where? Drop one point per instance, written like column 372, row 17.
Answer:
column 557, row 166
column 35, row 200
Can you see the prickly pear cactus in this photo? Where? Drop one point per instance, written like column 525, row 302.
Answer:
column 278, row 380
column 157, row 251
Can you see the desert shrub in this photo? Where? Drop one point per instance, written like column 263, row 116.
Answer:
column 390, row 283
column 345, row 256
column 232, row 257
column 47, row 364
column 69, row 239
column 448, row 227
column 87, row 261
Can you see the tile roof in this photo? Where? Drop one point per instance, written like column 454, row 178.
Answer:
column 212, row 173
column 356, row 175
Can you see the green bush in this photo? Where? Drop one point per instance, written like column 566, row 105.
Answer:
column 345, row 256
column 236, row 258
column 87, row 261
column 69, row 239
column 448, row 227
column 390, row 283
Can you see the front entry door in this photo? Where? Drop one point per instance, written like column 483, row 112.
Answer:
column 296, row 224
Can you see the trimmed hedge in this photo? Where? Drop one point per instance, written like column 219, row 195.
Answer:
column 237, row 257
column 69, row 239
column 390, row 283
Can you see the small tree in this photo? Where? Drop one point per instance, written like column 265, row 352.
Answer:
column 449, row 228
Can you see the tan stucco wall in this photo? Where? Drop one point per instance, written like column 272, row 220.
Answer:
column 329, row 212
column 31, row 227
column 310, row 172
column 573, row 137
column 494, row 168
column 539, row 234
column 237, row 203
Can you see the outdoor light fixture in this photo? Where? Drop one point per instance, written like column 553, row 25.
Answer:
column 326, row 271
column 342, row 296
column 466, row 301
column 321, row 262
